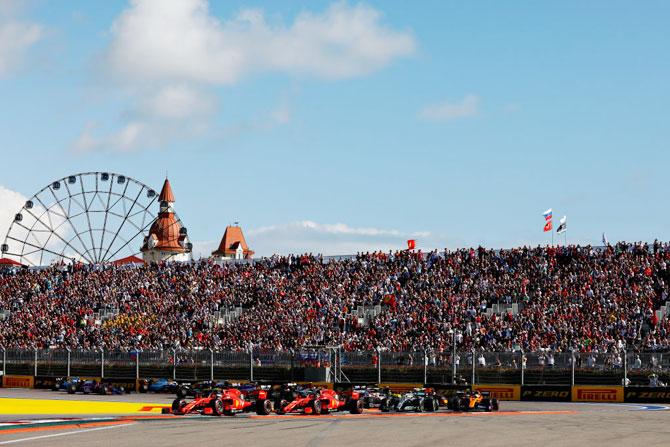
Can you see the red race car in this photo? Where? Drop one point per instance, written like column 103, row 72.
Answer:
column 235, row 401
column 322, row 401
column 210, row 405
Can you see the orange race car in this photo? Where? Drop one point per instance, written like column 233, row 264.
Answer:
column 473, row 400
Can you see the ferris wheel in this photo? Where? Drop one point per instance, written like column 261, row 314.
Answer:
column 92, row 217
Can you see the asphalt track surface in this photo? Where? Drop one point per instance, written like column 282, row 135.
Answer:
column 518, row 423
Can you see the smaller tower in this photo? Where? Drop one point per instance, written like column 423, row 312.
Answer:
column 167, row 239
column 233, row 245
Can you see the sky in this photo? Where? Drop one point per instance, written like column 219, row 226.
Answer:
column 338, row 127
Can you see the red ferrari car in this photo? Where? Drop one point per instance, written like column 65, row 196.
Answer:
column 210, row 405
column 322, row 401
column 235, row 401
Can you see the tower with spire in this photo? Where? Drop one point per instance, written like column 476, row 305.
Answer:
column 167, row 239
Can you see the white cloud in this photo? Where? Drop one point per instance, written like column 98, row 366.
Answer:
column 168, row 55
column 169, row 112
column 447, row 110
column 10, row 204
column 180, row 40
column 329, row 239
column 16, row 36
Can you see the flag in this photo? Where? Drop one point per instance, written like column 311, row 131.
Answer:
column 605, row 243
column 411, row 244
column 562, row 225
column 547, row 214
column 548, row 226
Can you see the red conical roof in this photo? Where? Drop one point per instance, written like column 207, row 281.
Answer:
column 166, row 193
column 233, row 238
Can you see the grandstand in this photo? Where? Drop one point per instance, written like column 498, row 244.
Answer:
column 530, row 299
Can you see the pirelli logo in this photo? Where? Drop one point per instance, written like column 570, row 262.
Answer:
column 597, row 394
column 501, row 392
column 18, row 381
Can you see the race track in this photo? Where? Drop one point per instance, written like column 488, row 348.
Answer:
column 518, row 423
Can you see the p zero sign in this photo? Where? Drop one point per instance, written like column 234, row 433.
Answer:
column 597, row 394
column 546, row 393
column 501, row 392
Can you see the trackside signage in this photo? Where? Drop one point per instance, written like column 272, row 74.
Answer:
column 18, row 381
column 548, row 393
column 501, row 392
column 647, row 395
column 597, row 394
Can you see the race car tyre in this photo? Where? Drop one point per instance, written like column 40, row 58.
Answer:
column 356, row 407
column 263, row 407
column 178, row 405
column 384, row 406
column 217, row 407
column 324, row 406
column 420, row 406
column 181, row 392
column 316, row 407
column 71, row 389
column 280, row 408
column 143, row 387
column 430, row 405
column 495, row 405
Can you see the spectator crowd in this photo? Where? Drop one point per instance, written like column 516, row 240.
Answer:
column 599, row 300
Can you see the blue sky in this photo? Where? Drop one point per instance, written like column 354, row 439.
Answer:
column 341, row 126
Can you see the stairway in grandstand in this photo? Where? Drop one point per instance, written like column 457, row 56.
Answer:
column 663, row 311
column 366, row 313
column 503, row 308
column 227, row 316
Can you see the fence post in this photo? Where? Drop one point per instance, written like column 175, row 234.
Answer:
column 4, row 361
column 425, row 367
column 523, row 368
column 68, row 362
column 572, row 381
column 35, row 363
column 473, row 366
column 379, row 366
column 625, row 368
column 174, row 364
column 211, row 364
column 102, row 363
column 453, row 359
column 137, row 365
column 251, row 362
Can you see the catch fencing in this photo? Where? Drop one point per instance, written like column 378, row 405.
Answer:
column 472, row 367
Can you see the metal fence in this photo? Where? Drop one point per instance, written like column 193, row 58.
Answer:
column 531, row 368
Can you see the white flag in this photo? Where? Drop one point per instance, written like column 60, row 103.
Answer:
column 563, row 225
column 605, row 243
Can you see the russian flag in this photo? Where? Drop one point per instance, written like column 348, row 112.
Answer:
column 547, row 214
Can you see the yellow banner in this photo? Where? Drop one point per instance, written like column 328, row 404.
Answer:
column 18, row 381
column 501, row 392
column 597, row 393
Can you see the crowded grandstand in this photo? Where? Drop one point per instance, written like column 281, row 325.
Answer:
column 556, row 298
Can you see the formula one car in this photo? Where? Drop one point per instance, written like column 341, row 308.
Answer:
column 77, row 385
column 161, row 385
column 200, row 388
column 372, row 397
column 209, row 405
column 473, row 401
column 419, row 400
column 244, row 399
column 321, row 401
